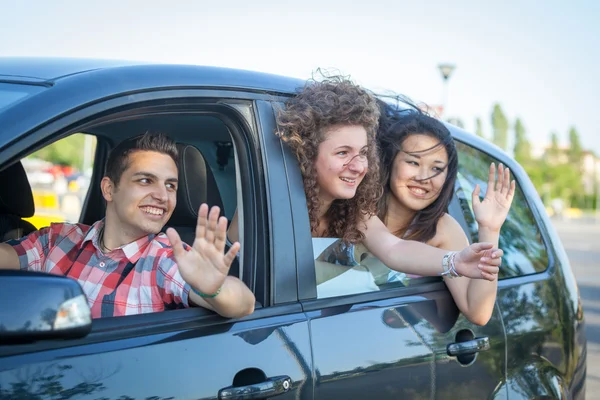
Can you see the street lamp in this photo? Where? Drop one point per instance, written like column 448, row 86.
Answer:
column 446, row 69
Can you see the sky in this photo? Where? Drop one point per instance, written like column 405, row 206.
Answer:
column 538, row 59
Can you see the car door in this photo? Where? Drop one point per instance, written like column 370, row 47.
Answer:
column 404, row 343
column 469, row 359
column 393, row 343
column 191, row 353
column 361, row 346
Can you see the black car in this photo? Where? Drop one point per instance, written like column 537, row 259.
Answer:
column 399, row 342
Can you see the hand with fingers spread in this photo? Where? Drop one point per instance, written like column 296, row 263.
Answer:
column 479, row 261
column 205, row 266
column 493, row 210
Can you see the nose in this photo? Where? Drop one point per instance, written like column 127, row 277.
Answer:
column 160, row 193
column 423, row 176
column 357, row 165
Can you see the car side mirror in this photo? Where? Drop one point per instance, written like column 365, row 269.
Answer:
column 38, row 306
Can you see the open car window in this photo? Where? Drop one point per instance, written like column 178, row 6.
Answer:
column 343, row 269
column 60, row 175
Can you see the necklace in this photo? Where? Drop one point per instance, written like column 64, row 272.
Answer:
column 103, row 248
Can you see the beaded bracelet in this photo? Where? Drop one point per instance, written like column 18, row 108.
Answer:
column 209, row 296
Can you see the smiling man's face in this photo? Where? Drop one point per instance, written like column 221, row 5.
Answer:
column 146, row 194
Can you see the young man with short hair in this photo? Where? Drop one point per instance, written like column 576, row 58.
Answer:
column 123, row 263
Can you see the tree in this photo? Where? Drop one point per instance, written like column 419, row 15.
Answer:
column 67, row 151
column 500, row 127
column 479, row 128
column 563, row 176
column 522, row 145
column 554, row 150
column 575, row 149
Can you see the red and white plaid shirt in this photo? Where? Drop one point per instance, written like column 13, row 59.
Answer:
column 140, row 277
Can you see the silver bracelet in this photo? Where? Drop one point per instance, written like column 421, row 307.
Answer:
column 449, row 266
column 445, row 265
column 453, row 271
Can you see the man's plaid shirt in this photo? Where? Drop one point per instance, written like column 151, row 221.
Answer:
column 140, row 277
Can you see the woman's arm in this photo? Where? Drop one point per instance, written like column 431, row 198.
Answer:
column 478, row 261
column 475, row 298
column 491, row 212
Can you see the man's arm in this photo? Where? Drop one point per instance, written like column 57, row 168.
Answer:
column 205, row 267
column 233, row 301
column 8, row 257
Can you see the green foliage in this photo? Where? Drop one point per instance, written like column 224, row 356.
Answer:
column 554, row 177
column 479, row 128
column 554, row 148
column 67, row 151
column 575, row 150
column 559, row 171
column 500, row 127
column 522, row 146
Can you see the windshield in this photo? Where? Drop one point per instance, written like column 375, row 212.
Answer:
column 11, row 93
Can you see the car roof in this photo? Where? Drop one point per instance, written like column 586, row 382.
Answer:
column 91, row 72
column 52, row 70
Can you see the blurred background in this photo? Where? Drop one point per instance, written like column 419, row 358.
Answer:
column 522, row 74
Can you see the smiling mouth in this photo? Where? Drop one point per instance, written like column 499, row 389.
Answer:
column 348, row 180
column 418, row 191
column 153, row 210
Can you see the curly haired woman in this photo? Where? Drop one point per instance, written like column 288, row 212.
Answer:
column 331, row 126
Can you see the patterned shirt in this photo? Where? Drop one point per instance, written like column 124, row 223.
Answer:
column 140, row 277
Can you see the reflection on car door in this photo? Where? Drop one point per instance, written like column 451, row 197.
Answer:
column 398, row 348
column 368, row 350
column 476, row 368
column 194, row 361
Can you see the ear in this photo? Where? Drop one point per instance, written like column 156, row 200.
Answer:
column 108, row 188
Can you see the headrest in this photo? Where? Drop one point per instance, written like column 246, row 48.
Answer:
column 16, row 197
column 197, row 185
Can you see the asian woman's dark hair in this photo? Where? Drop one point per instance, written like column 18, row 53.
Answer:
column 395, row 125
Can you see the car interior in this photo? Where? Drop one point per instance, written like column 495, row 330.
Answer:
column 16, row 203
column 206, row 174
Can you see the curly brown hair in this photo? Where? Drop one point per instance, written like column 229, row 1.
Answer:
column 320, row 105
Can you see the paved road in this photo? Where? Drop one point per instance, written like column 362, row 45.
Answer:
column 582, row 243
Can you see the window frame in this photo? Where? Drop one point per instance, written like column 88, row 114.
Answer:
column 308, row 278
column 239, row 108
column 524, row 184
column 84, row 198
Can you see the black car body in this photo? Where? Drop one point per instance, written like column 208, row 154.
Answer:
column 390, row 344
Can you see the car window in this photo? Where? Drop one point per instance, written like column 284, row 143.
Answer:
column 59, row 175
column 343, row 269
column 520, row 237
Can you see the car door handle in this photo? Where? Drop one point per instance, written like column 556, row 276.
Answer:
column 468, row 347
column 271, row 387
